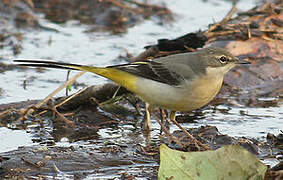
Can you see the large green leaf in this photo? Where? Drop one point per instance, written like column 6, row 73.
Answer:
column 229, row 162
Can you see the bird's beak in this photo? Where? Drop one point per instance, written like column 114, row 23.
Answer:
column 241, row 61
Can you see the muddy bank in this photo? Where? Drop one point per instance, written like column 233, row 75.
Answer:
column 122, row 160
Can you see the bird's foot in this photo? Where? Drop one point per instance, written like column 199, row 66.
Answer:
column 170, row 137
column 200, row 146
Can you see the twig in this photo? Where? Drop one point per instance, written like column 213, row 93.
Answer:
column 65, row 101
column 30, row 110
column 144, row 5
column 60, row 88
column 53, row 109
column 115, row 93
column 221, row 33
column 71, row 97
column 189, row 49
column 30, row 3
column 139, row 3
column 56, row 169
column 249, row 32
column 30, row 162
column 63, row 118
column 224, row 20
column 147, row 153
column 7, row 111
column 123, row 6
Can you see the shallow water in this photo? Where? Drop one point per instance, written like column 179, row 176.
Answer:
column 12, row 139
column 72, row 44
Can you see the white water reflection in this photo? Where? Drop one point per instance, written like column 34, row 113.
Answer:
column 12, row 139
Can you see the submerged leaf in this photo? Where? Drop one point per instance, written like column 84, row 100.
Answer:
column 228, row 162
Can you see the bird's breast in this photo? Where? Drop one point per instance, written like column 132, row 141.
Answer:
column 187, row 97
column 201, row 91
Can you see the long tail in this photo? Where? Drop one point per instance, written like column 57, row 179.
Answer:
column 120, row 77
column 48, row 64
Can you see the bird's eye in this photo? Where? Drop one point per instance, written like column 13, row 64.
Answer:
column 223, row 59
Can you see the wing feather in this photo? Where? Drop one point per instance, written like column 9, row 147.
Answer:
column 151, row 70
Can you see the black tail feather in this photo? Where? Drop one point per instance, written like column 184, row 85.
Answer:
column 46, row 64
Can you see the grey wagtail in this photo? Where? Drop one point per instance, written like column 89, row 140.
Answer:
column 179, row 82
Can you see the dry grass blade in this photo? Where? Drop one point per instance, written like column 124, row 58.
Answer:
column 30, row 3
column 223, row 21
column 63, row 86
column 71, row 97
column 7, row 111
column 63, row 118
column 45, row 100
column 123, row 6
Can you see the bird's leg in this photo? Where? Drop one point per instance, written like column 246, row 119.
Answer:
column 164, row 119
column 196, row 142
column 161, row 113
column 167, row 133
column 146, row 123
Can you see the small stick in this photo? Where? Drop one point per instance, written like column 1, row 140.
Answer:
column 123, row 6
column 30, row 162
column 60, row 88
column 65, row 101
column 224, row 20
column 31, row 110
column 63, row 118
column 71, row 97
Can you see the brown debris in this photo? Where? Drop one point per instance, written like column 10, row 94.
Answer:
column 255, row 35
column 275, row 173
column 104, row 15
column 222, row 22
column 164, row 47
column 13, row 2
column 100, row 93
column 214, row 139
column 112, row 15
column 37, row 160
column 248, row 24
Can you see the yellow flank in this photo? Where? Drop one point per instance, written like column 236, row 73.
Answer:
column 120, row 77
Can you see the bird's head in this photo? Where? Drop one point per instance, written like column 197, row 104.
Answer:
column 218, row 60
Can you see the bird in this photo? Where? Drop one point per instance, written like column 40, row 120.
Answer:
column 179, row 82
